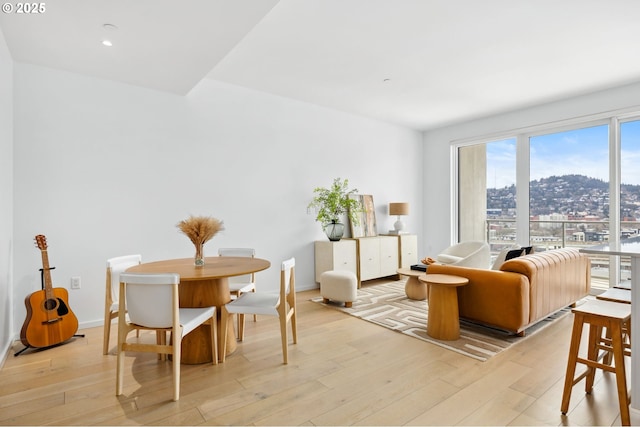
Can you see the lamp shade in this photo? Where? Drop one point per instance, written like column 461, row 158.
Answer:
column 399, row 208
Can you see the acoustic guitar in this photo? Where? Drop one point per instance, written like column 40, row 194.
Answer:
column 49, row 320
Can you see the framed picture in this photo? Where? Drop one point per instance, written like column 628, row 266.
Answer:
column 366, row 226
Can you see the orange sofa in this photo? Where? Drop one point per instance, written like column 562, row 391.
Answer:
column 524, row 290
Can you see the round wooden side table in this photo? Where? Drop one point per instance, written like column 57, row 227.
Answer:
column 414, row 288
column 443, row 321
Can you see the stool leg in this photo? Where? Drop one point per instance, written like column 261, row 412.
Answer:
column 571, row 362
column 595, row 335
column 627, row 332
column 621, row 378
column 608, row 358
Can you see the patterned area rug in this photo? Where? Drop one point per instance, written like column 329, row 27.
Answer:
column 387, row 305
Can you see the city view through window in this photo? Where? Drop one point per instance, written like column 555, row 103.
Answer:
column 569, row 200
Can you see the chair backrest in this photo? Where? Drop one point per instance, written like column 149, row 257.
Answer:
column 239, row 252
column 464, row 249
column 117, row 266
column 467, row 254
column 478, row 258
column 287, row 277
column 152, row 299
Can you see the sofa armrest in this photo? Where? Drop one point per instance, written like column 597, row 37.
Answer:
column 492, row 297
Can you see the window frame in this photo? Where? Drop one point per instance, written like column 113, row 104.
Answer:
column 522, row 137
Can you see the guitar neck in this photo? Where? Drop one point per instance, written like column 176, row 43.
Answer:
column 46, row 271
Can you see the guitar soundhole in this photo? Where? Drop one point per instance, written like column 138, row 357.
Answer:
column 50, row 304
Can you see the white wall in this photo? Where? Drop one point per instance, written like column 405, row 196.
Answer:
column 438, row 167
column 105, row 169
column 6, row 196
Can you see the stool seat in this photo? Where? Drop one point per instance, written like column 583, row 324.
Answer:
column 599, row 315
column 616, row 295
column 624, row 285
column 338, row 285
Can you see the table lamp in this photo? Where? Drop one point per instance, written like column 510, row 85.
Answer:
column 398, row 209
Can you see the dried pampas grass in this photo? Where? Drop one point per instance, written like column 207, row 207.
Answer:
column 200, row 229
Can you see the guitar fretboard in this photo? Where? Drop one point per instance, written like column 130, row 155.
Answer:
column 46, row 271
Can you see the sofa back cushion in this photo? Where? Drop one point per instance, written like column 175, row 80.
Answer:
column 514, row 253
column 501, row 258
column 557, row 279
column 509, row 253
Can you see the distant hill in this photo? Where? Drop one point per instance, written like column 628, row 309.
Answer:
column 571, row 195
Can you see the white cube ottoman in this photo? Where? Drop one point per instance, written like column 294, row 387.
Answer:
column 340, row 286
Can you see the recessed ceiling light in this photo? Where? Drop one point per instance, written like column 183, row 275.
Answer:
column 107, row 43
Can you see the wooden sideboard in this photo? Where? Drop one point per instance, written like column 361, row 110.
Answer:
column 367, row 257
column 408, row 249
column 335, row 256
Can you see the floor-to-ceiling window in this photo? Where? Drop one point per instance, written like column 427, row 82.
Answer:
column 569, row 187
column 553, row 187
column 487, row 193
column 569, row 192
column 629, row 187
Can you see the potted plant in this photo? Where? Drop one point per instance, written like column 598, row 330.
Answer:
column 331, row 203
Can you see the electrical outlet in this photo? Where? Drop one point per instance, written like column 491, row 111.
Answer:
column 75, row 282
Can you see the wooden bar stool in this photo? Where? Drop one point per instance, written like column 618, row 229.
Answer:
column 623, row 296
column 599, row 314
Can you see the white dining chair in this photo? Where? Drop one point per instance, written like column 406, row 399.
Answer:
column 239, row 285
column 152, row 302
column 115, row 266
column 281, row 304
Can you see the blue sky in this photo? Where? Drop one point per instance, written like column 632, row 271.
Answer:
column 581, row 152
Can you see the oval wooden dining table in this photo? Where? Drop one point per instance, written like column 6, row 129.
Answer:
column 205, row 286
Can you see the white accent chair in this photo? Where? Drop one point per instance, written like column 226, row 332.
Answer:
column 475, row 254
column 281, row 304
column 152, row 302
column 239, row 285
column 115, row 266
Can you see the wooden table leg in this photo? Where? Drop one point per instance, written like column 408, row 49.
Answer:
column 415, row 289
column 443, row 322
column 196, row 346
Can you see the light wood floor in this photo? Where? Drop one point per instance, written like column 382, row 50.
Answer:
column 343, row 371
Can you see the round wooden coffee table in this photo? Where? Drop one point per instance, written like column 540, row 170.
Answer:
column 443, row 321
column 414, row 288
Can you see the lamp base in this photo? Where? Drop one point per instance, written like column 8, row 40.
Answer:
column 398, row 226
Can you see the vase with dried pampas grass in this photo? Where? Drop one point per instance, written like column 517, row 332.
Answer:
column 200, row 229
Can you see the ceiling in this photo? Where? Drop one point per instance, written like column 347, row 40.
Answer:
column 415, row 63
